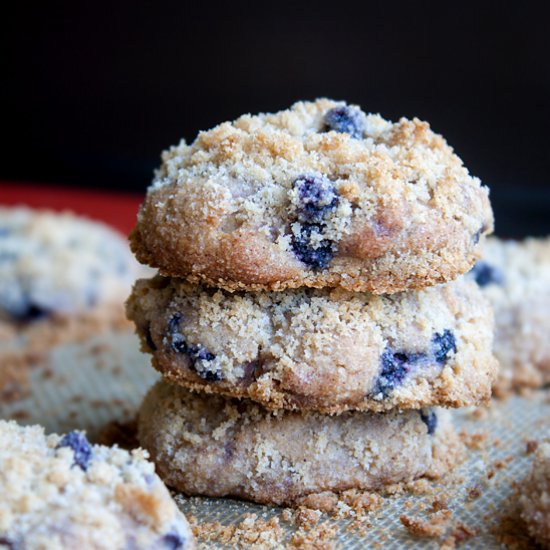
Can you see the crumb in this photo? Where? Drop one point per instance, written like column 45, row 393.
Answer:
column 361, row 501
column 288, row 515
column 307, row 518
column 434, row 526
column 526, row 392
column 531, row 446
column 21, row 414
column 250, row 532
column 461, row 533
column 99, row 349
column 502, row 463
column 475, row 441
column 47, row 373
column 341, row 505
column 321, row 538
column 439, row 504
column 254, row 532
column 117, row 370
column 479, row 413
column 420, row 486
column 475, row 492
column 325, row 502
column 301, row 517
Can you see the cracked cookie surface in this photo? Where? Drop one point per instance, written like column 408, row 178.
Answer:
column 328, row 350
column 63, row 492
column 215, row 446
column 319, row 195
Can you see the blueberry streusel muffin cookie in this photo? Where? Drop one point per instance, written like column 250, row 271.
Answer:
column 62, row 492
column 535, row 497
column 515, row 277
column 328, row 350
column 215, row 446
column 62, row 278
column 319, row 195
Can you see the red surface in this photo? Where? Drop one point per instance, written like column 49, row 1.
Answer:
column 117, row 209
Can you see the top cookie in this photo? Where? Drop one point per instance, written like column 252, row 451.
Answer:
column 319, row 195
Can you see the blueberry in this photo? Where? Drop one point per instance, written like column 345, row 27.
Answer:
column 196, row 353
column 30, row 313
column 442, row 344
column 430, row 419
column 173, row 541
column 395, row 367
column 315, row 254
column 317, row 196
column 345, row 119
column 8, row 543
column 19, row 305
column 176, row 339
column 485, row 274
column 477, row 235
column 81, row 448
column 174, row 323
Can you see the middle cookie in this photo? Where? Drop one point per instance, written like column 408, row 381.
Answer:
column 320, row 349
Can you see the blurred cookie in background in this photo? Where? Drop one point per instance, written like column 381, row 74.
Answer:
column 63, row 278
column 62, row 492
column 515, row 277
column 535, row 497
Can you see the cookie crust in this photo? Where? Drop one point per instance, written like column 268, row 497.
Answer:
column 214, row 446
column 403, row 211
column 320, row 349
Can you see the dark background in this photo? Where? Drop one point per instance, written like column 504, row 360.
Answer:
column 92, row 92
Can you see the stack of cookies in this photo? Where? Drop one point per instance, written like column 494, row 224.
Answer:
column 309, row 315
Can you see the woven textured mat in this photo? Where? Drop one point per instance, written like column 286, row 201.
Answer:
column 89, row 385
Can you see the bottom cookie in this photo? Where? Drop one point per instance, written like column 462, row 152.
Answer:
column 215, row 446
column 62, row 492
column 535, row 497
